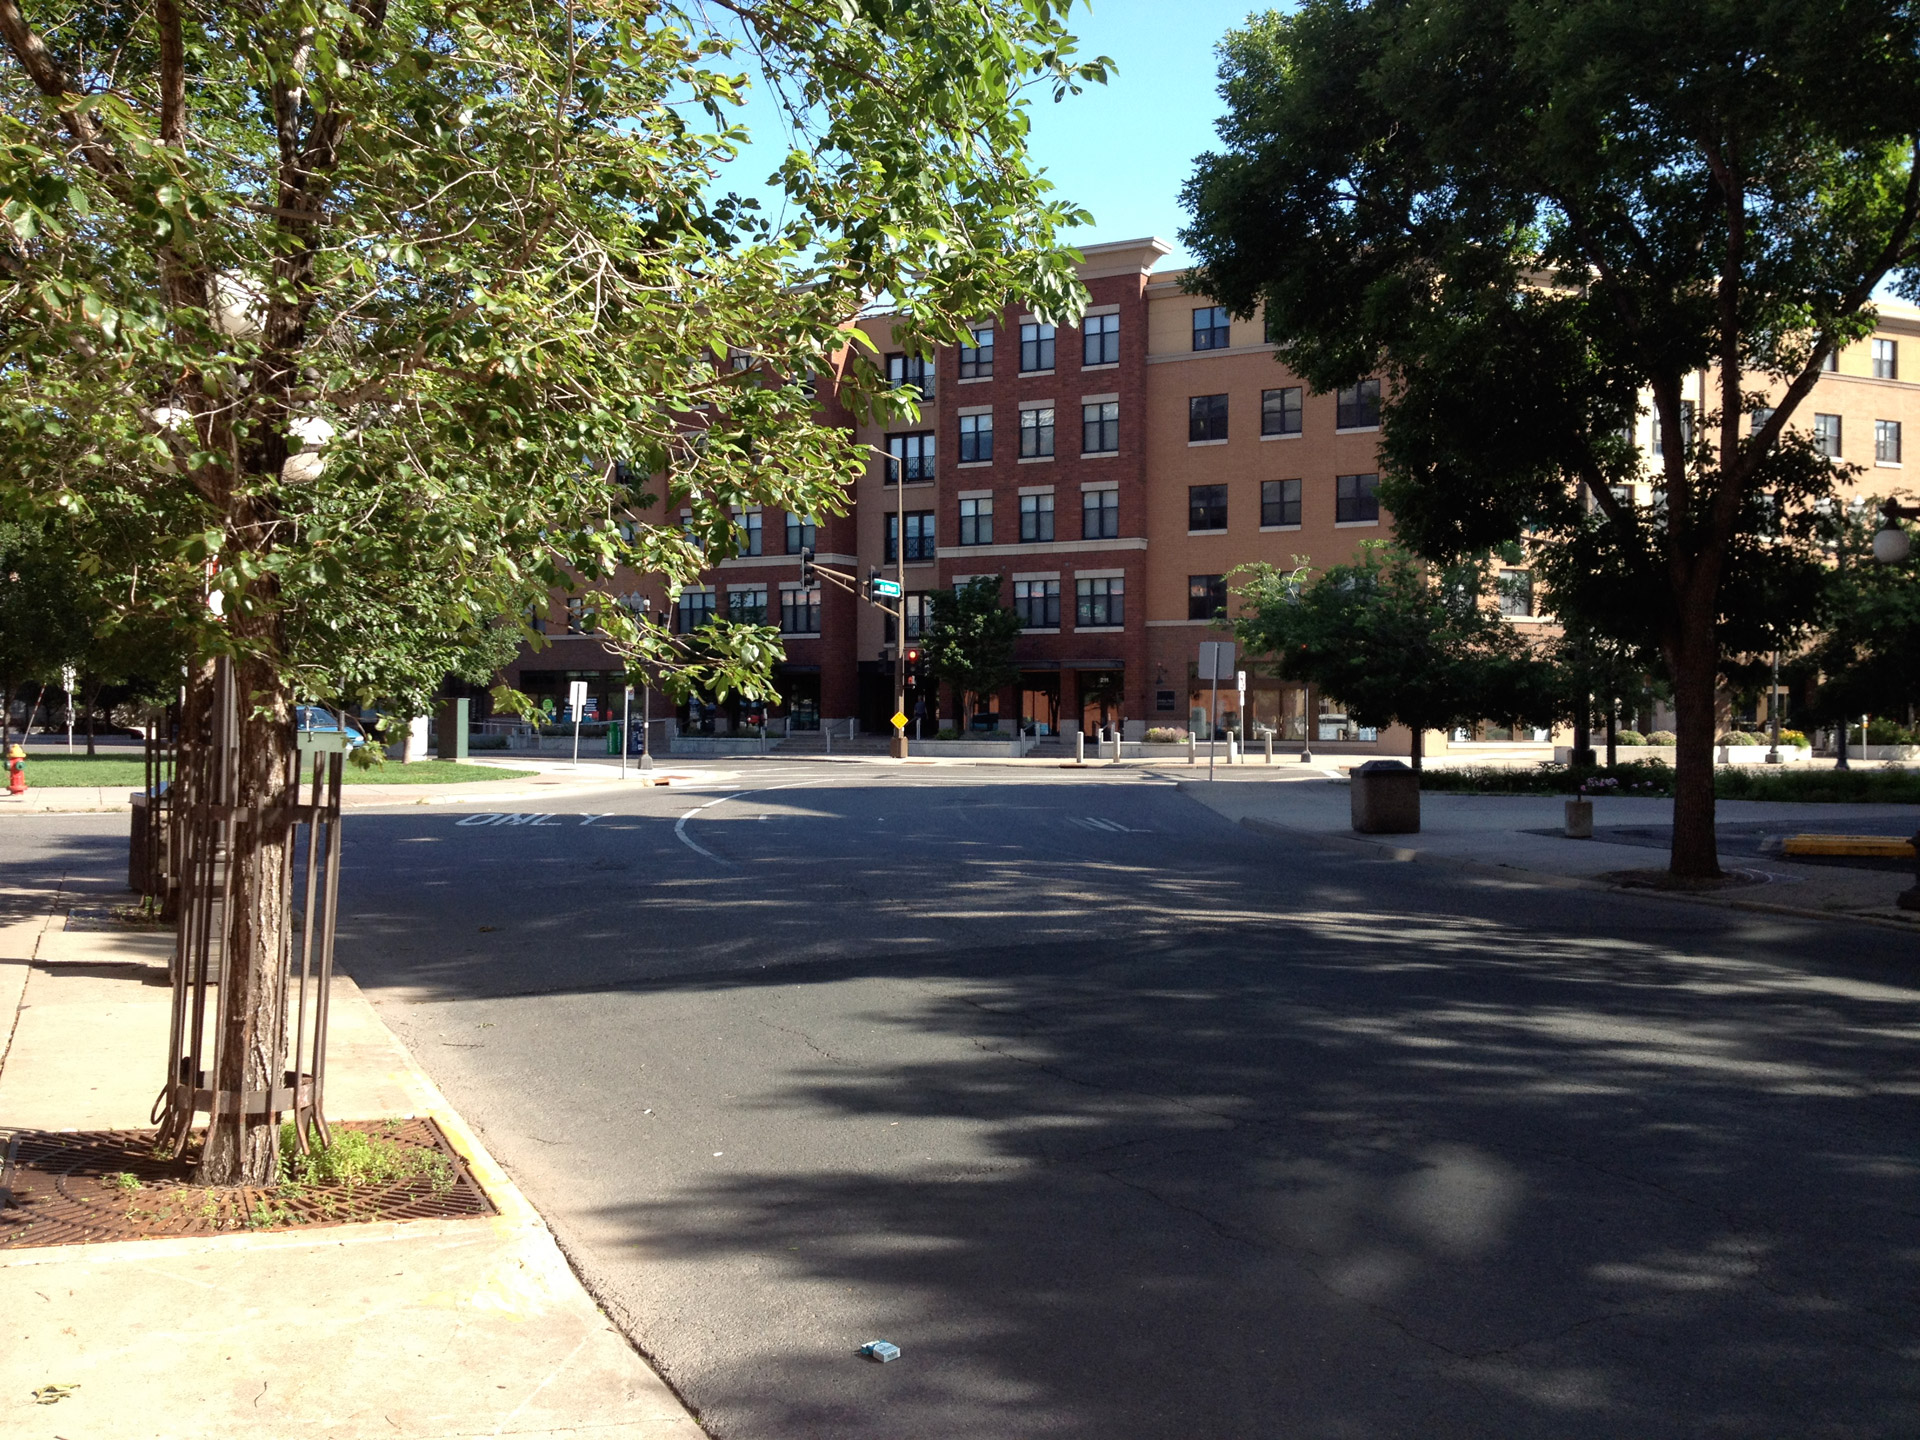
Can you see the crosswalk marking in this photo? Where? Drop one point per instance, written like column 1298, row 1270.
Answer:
column 1094, row 822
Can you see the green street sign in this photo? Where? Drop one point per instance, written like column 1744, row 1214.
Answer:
column 888, row 588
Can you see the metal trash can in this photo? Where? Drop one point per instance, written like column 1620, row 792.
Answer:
column 1386, row 798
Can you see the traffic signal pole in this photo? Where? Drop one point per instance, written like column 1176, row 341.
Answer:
column 898, row 748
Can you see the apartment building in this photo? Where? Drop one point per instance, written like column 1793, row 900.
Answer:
column 1113, row 475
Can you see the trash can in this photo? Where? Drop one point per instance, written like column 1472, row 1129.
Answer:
column 1386, row 798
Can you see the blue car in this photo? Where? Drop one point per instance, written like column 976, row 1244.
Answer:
column 314, row 720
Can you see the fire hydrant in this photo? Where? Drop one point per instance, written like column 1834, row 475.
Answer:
column 16, row 770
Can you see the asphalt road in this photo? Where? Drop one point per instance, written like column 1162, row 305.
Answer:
column 1122, row 1121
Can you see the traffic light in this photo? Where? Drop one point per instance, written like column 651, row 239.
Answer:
column 806, row 567
column 867, row 591
column 913, row 665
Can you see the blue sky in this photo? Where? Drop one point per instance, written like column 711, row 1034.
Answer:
column 1123, row 150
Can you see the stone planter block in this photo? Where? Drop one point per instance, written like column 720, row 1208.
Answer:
column 1579, row 819
column 1386, row 799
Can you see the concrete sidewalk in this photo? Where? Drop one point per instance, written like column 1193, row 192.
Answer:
column 1523, row 833
column 432, row 1328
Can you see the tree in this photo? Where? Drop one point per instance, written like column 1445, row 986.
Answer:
column 42, row 624
column 968, row 642
column 1395, row 640
column 1523, row 215
column 1867, row 655
column 384, row 302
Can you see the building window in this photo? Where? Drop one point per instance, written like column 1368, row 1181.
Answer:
column 1206, row 507
column 1826, row 435
column 919, row 616
column 749, row 528
column 1279, row 502
column 1036, row 433
column 800, row 612
column 910, row 370
column 1358, row 406
column 976, row 360
column 1206, row 596
column 1206, row 418
column 1211, row 330
column 1758, row 421
column 1099, row 514
column 580, row 620
column 696, row 609
column 976, row 521
column 1830, row 362
column 920, row 542
column 1100, row 428
column 749, row 607
column 1686, row 431
column 1516, row 593
column 1100, row 602
column 1036, row 347
column 1353, row 497
column 1280, row 411
column 976, row 439
column 1037, row 603
column 912, row 457
column 1886, row 441
column 1036, row 518
column 1100, row 340
column 1886, row 359
column 801, row 535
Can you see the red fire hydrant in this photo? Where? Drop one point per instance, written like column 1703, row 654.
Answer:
column 16, row 770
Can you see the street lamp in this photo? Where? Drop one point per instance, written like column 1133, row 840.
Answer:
column 1891, row 544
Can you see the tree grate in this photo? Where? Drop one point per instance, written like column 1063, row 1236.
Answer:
column 90, row 1186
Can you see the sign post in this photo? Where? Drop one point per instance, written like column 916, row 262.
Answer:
column 1246, row 730
column 626, row 726
column 576, row 702
column 1216, row 664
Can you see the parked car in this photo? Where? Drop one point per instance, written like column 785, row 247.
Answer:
column 316, row 720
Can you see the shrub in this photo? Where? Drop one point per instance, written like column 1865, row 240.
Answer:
column 949, row 733
column 1166, row 736
column 1793, row 737
column 1819, row 787
column 1630, row 777
column 1629, row 737
column 486, row 742
column 1740, row 737
column 1663, row 737
column 1887, row 732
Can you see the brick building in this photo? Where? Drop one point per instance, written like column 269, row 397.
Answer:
column 1113, row 475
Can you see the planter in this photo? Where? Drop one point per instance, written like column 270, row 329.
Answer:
column 1579, row 819
column 1385, row 799
column 982, row 749
column 718, row 745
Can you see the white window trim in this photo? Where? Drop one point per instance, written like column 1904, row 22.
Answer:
column 1889, row 465
column 975, row 380
column 973, row 465
column 1032, row 575
column 1221, row 531
column 974, row 409
column 1271, row 528
column 756, row 585
column 1198, row 444
column 974, row 495
column 1102, row 310
column 1113, row 399
column 1103, row 365
column 1036, row 489
column 1098, row 629
column 1026, row 405
column 1099, row 485
column 1356, row 430
column 1099, row 574
column 1036, row 460
column 1039, row 629
column 1098, row 455
column 1293, row 435
column 1354, row 524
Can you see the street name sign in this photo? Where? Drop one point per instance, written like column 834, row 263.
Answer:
column 888, row 588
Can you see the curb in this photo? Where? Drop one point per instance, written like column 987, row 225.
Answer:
column 1380, row 850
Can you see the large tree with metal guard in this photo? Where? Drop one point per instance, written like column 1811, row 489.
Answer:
column 1523, row 215
column 377, row 308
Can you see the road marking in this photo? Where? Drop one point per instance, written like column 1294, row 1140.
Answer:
column 511, row 817
column 680, row 826
column 588, row 819
column 1094, row 822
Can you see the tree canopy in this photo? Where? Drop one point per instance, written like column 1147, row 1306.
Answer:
column 968, row 642
column 1395, row 640
column 1527, row 216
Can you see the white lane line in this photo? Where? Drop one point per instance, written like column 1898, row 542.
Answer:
column 680, row 826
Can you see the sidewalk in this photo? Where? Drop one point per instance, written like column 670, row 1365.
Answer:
column 1524, row 833
column 551, row 780
column 428, row 1328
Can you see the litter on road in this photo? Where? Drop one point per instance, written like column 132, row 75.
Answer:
column 881, row 1350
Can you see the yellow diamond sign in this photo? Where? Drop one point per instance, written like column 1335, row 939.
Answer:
column 899, row 721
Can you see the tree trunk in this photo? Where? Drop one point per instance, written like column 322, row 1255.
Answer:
column 1419, row 747
column 6, row 713
column 1583, row 729
column 1694, row 659
column 1613, row 733
column 244, row 1150
column 92, row 704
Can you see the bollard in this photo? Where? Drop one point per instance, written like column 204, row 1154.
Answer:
column 1269, row 748
column 827, row 730
column 1909, row 899
column 1116, row 746
column 1193, row 749
column 1079, row 747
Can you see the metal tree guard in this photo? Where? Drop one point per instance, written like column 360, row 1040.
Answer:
column 156, row 839
column 210, row 824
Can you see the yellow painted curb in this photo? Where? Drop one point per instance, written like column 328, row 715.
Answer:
column 1880, row 846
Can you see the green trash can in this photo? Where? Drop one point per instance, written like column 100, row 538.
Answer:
column 613, row 738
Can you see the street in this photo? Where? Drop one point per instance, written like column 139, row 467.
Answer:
column 1125, row 1121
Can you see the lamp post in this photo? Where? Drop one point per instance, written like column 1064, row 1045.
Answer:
column 1891, row 544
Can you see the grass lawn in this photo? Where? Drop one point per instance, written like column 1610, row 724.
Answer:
column 1730, row 782
column 57, row 771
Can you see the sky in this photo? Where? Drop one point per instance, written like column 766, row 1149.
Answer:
column 1123, row 150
